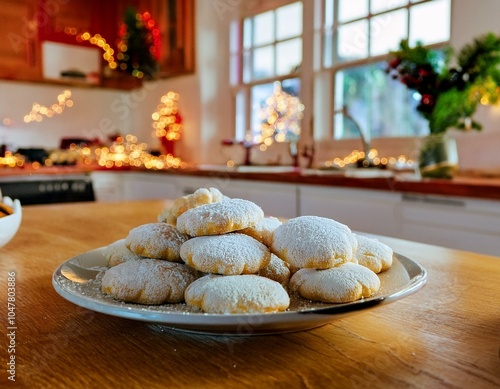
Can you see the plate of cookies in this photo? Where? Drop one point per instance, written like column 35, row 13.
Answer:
column 216, row 265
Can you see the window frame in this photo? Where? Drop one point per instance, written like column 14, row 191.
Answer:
column 325, row 123
column 242, row 89
column 317, row 82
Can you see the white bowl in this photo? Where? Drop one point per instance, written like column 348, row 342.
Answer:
column 10, row 224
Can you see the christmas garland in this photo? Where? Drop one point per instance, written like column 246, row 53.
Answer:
column 139, row 45
column 450, row 94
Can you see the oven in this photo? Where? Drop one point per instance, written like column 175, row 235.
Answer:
column 47, row 189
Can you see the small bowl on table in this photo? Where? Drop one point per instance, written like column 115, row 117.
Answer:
column 10, row 222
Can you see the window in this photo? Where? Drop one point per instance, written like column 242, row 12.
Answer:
column 343, row 59
column 266, row 58
column 356, row 36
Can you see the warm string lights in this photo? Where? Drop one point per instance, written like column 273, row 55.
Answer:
column 139, row 45
column 166, row 118
column 99, row 41
column 125, row 151
column 144, row 21
column 38, row 111
column 11, row 160
column 280, row 117
column 400, row 162
column 150, row 24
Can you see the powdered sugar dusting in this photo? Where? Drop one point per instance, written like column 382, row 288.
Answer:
column 228, row 254
column 345, row 283
column 373, row 254
column 220, row 218
column 277, row 270
column 237, row 294
column 156, row 240
column 200, row 197
column 148, row 281
column 313, row 242
column 263, row 230
column 117, row 252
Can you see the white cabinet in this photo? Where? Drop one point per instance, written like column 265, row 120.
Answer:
column 108, row 186
column 144, row 186
column 275, row 199
column 454, row 222
column 279, row 200
column 458, row 223
column 362, row 210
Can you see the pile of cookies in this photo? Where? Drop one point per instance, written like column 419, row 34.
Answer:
column 223, row 255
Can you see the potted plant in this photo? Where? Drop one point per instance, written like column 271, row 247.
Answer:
column 451, row 88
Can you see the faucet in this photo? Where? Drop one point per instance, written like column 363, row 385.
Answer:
column 365, row 162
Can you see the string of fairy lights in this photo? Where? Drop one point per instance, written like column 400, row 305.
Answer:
column 125, row 151
column 166, row 118
column 280, row 118
column 392, row 162
column 280, row 122
column 39, row 111
column 99, row 41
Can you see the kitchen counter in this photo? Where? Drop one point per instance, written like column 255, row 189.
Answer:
column 445, row 335
column 468, row 184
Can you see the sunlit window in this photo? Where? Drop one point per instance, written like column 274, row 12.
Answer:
column 356, row 36
column 345, row 63
column 269, row 51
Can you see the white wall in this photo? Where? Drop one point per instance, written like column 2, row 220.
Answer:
column 95, row 112
column 206, row 102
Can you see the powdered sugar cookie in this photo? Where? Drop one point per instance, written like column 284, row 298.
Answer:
column 263, row 230
column 237, row 294
column 342, row 284
column 148, row 281
column 373, row 254
column 228, row 254
column 220, row 218
column 201, row 196
column 156, row 240
column 117, row 252
column 277, row 270
column 313, row 242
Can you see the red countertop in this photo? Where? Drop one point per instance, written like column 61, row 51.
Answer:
column 464, row 185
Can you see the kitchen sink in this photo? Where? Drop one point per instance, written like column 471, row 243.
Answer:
column 266, row 169
column 356, row 173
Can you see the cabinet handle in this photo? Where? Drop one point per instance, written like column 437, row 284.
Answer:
column 432, row 200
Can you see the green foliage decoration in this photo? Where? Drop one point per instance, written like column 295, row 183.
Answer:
column 450, row 93
column 136, row 47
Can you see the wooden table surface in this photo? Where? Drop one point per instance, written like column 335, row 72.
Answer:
column 447, row 335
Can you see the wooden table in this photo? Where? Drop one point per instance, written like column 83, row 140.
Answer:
column 445, row 335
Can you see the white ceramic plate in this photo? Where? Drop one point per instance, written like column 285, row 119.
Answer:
column 78, row 281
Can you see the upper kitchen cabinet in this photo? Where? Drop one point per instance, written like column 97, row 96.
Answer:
column 175, row 19
column 41, row 40
column 19, row 47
